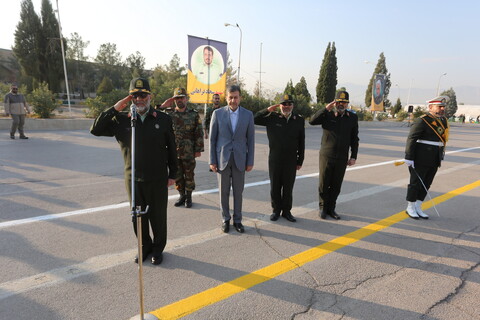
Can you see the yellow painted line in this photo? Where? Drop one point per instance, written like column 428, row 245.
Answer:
column 221, row 292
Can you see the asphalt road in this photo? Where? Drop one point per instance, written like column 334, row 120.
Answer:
column 67, row 244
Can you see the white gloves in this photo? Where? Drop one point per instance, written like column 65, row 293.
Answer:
column 409, row 163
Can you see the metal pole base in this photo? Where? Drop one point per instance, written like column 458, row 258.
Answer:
column 146, row 316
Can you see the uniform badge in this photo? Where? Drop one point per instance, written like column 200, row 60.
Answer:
column 154, row 114
column 139, row 84
column 157, row 126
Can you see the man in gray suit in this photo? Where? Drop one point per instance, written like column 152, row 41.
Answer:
column 232, row 144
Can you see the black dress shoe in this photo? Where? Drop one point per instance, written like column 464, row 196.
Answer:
column 289, row 217
column 23, row 137
column 157, row 258
column 323, row 214
column 226, row 226
column 334, row 215
column 145, row 253
column 274, row 216
column 239, row 227
column 12, row 136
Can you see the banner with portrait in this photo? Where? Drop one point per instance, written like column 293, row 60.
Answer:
column 378, row 90
column 207, row 66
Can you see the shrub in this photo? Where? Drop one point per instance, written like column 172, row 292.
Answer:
column 402, row 115
column 43, row 101
column 382, row 116
column 95, row 106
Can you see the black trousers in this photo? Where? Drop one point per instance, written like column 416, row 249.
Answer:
column 155, row 195
column 331, row 173
column 282, row 178
column 415, row 189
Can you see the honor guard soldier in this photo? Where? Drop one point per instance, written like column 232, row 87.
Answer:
column 155, row 161
column 424, row 153
column 340, row 136
column 189, row 139
column 286, row 139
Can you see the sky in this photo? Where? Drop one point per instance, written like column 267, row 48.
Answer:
column 420, row 39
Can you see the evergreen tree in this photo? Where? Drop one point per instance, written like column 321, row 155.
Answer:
column 37, row 45
column 327, row 80
column 381, row 68
column 451, row 107
column 301, row 89
column 289, row 89
column 27, row 38
column 396, row 108
column 51, row 59
column 111, row 66
column 302, row 98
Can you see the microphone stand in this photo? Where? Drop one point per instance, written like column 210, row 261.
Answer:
column 137, row 210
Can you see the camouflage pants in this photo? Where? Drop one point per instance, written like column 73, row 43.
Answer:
column 184, row 181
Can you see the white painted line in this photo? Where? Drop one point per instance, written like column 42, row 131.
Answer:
column 126, row 204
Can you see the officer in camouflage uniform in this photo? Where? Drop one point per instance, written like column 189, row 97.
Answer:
column 189, row 139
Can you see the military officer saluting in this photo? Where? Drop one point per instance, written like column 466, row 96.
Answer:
column 286, row 139
column 189, row 139
column 424, row 153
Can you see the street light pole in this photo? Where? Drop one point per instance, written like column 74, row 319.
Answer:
column 240, row 48
column 438, row 85
column 63, row 57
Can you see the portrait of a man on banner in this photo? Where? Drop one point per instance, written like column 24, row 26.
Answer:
column 378, row 92
column 206, row 69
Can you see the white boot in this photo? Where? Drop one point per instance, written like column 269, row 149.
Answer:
column 418, row 208
column 412, row 213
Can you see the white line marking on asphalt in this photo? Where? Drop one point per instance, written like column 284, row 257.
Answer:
column 11, row 223
column 99, row 263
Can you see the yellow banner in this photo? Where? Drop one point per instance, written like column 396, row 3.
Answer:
column 199, row 92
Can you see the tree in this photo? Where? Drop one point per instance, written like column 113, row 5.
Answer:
column 302, row 98
column 76, row 47
column 168, row 77
column 327, row 80
column 37, row 45
column 289, row 89
column 396, row 108
column 105, row 86
column 451, row 107
column 136, row 64
column 110, row 63
column 27, row 37
column 381, row 68
column 51, row 63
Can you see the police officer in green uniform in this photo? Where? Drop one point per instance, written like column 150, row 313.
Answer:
column 286, row 139
column 155, row 160
column 424, row 153
column 189, row 138
column 340, row 136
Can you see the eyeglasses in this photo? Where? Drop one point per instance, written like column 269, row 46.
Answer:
column 141, row 95
column 287, row 104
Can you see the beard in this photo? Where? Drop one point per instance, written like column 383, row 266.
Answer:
column 144, row 108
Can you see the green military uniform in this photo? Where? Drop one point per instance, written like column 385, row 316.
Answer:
column 425, row 132
column 188, row 130
column 155, row 163
column 340, row 135
column 286, row 139
column 208, row 118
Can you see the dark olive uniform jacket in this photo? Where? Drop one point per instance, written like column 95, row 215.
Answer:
column 339, row 134
column 286, row 139
column 420, row 153
column 155, row 149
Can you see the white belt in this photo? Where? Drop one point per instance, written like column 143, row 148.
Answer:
column 432, row 143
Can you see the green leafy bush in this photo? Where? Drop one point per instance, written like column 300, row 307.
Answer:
column 401, row 115
column 43, row 101
column 95, row 106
